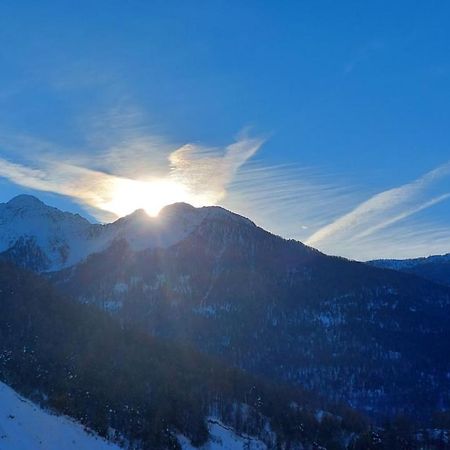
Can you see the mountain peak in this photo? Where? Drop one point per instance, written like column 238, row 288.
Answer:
column 139, row 213
column 177, row 208
column 25, row 201
column 185, row 210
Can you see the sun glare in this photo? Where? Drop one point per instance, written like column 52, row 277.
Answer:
column 126, row 196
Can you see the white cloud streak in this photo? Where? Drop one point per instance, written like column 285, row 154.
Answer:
column 383, row 210
column 208, row 171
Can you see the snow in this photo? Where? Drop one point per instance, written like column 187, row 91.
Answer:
column 66, row 239
column 112, row 305
column 25, row 426
column 224, row 438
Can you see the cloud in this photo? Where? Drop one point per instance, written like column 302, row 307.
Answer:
column 209, row 172
column 409, row 239
column 86, row 186
column 381, row 211
column 287, row 199
column 129, row 179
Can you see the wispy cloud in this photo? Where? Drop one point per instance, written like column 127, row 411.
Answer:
column 138, row 171
column 409, row 239
column 289, row 200
column 87, row 186
column 209, row 172
column 383, row 210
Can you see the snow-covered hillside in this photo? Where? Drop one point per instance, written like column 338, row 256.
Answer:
column 43, row 238
column 224, row 438
column 25, row 426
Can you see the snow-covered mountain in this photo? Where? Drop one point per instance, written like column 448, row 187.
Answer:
column 43, row 238
column 25, row 426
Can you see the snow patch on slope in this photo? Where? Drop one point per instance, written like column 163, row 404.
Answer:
column 25, row 426
column 224, row 438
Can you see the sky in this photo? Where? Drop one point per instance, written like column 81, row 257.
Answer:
column 322, row 121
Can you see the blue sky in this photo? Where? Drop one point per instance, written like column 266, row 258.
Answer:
column 339, row 110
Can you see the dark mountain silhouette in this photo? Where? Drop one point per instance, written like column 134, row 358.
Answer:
column 434, row 268
column 139, row 389
column 376, row 339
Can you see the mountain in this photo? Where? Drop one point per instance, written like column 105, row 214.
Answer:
column 43, row 238
column 434, row 268
column 143, row 392
column 372, row 338
column 26, row 426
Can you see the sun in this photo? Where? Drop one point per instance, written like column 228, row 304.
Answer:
column 126, row 196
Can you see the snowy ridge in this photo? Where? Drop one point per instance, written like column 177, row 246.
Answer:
column 43, row 238
column 25, row 426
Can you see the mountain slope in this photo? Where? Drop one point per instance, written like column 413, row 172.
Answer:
column 373, row 338
column 140, row 390
column 25, row 426
column 370, row 337
column 434, row 268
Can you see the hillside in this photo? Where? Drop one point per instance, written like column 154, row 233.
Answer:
column 25, row 426
column 372, row 338
column 141, row 390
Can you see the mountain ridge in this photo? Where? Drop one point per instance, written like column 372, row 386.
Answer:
column 62, row 239
column 435, row 268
